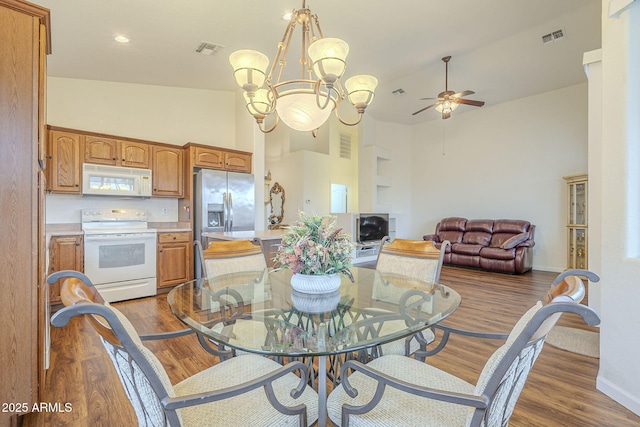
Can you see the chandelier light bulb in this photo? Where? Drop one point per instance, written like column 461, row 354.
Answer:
column 249, row 68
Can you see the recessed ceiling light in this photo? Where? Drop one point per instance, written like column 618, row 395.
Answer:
column 122, row 39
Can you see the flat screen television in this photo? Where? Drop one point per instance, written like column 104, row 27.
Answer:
column 372, row 227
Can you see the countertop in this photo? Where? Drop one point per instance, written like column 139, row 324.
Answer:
column 241, row 235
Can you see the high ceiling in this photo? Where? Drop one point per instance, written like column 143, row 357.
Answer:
column 496, row 45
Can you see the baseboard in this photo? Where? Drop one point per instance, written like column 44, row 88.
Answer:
column 621, row 396
column 546, row 268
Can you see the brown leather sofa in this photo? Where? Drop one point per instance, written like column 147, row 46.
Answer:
column 502, row 245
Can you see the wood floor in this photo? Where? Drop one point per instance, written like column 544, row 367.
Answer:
column 560, row 390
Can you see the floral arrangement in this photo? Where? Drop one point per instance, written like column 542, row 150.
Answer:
column 315, row 245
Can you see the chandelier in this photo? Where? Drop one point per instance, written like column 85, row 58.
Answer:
column 302, row 104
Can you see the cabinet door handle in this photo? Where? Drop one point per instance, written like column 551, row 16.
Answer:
column 160, row 250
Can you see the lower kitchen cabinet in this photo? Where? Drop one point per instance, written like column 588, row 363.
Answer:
column 175, row 259
column 65, row 253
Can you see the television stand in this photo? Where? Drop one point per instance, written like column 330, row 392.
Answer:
column 365, row 252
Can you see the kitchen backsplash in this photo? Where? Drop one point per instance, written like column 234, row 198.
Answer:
column 66, row 209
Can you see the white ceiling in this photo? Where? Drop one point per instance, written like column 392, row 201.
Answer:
column 496, row 45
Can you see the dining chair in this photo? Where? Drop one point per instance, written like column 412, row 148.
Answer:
column 245, row 390
column 229, row 256
column 415, row 258
column 395, row 390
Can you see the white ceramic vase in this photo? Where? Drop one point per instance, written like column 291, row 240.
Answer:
column 315, row 303
column 315, row 283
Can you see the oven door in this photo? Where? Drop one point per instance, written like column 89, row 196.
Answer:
column 119, row 257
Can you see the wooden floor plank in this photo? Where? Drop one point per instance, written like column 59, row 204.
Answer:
column 560, row 390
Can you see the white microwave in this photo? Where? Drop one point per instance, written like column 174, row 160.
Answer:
column 115, row 181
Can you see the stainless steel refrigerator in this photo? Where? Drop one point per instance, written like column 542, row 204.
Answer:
column 225, row 201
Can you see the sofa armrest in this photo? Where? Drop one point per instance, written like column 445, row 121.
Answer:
column 527, row 244
column 432, row 237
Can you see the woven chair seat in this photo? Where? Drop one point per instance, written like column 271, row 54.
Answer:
column 398, row 408
column 251, row 408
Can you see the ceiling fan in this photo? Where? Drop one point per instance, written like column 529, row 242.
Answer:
column 449, row 100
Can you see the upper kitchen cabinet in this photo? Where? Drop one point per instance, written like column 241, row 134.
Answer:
column 208, row 158
column 237, row 162
column 203, row 156
column 134, row 154
column 168, row 171
column 63, row 162
column 107, row 151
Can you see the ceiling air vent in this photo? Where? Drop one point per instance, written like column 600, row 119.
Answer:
column 207, row 48
column 553, row 36
column 398, row 92
column 345, row 146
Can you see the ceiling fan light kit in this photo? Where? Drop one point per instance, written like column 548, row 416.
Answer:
column 450, row 100
column 303, row 104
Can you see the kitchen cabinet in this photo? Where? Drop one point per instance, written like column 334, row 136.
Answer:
column 237, row 162
column 175, row 258
column 65, row 253
column 208, row 158
column 63, row 162
column 216, row 158
column 577, row 203
column 113, row 152
column 168, row 171
column 25, row 35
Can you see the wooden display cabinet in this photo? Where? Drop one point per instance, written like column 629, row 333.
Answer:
column 577, row 221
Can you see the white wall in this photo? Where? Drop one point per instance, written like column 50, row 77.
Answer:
column 306, row 174
column 395, row 196
column 619, row 375
column 503, row 161
column 155, row 113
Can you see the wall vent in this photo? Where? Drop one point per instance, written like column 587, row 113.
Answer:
column 207, row 48
column 345, row 146
column 553, row 36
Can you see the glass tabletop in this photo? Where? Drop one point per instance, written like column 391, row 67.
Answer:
column 259, row 311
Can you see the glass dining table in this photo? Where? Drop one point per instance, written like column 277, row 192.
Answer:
column 259, row 312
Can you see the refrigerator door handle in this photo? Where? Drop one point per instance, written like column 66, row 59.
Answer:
column 230, row 212
column 224, row 211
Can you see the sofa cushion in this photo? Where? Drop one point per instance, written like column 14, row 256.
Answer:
column 514, row 241
column 497, row 253
column 485, row 225
column 466, row 249
column 513, row 226
column 452, row 224
column 477, row 238
column 451, row 236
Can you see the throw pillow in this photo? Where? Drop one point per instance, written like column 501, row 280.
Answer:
column 514, row 241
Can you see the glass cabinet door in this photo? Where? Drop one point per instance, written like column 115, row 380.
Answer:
column 577, row 248
column 578, row 204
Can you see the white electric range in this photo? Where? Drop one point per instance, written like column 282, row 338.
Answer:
column 119, row 253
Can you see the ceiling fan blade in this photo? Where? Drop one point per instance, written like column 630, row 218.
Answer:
column 420, row 111
column 470, row 102
column 427, row 98
column 463, row 93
